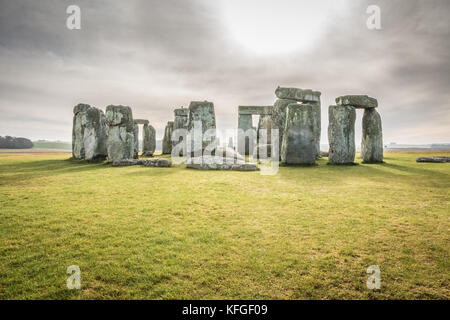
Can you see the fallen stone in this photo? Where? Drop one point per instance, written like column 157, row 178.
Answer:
column 341, row 134
column 324, row 153
column 357, row 101
column 433, row 159
column 299, row 142
column 302, row 95
column 372, row 137
column 126, row 162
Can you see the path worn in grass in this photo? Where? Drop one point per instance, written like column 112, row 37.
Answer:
column 161, row 233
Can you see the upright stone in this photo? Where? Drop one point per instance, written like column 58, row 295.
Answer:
column 120, row 132
column 94, row 138
column 148, row 140
column 341, row 134
column 79, row 120
column 136, row 140
column 279, row 117
column 372, row 137
column 88, row 133
column 201, row 113
column 246, row 139
column 180, row 127
column 299, row 142
column 167, row 140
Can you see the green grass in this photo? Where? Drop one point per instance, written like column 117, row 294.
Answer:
column 42, row 144
column 176, row 233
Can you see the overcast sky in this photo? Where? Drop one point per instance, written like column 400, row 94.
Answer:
column 159, row 55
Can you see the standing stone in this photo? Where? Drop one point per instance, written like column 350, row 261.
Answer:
column 264, row 136
column 136, row 140
column 94, row 138
column 279, row 117
column 201, row 112
column 148, row 140
column 246, row 135
column 341, row 134
column 299, row 142
column 372, row 137
column 317, row 126
column 79, row 120
column 167, row 140
column 88, row 133
column 120, row 132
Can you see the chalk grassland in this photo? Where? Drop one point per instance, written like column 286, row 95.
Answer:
column 159, row 233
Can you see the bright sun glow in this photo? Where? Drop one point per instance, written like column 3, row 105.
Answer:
column 278, row 26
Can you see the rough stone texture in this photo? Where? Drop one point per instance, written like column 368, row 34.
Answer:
column 126, row 162
column 201, row 112
column 88, row 133
column 261, row 110
column 157, row 162
column 94, row 137
column 279, row 118
column 264, row 151
column 372, row 137
column 136, row 140
column 181, row 124
column 265, row 123
column 302, row 95
column 148, row 141
column 246, row 136
column 141, row 121
column 341, row 134
column 433, row 159
column 317, row 126
column 120, row 132
column 167, row 143
column 357, row 101
column 79, row 112
column 299, row 143
column 324, row 153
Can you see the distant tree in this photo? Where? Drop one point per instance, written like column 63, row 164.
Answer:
column 9, row 142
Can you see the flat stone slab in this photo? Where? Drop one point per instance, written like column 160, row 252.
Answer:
column 155, row 162
column 433, row 159
column 302, row 95
column 261, row 110
column 141, row 121
column 220, row 163
column 357, row 101
column 182, row 112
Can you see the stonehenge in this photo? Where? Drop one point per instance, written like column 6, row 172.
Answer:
column 341, row 134
column 295, row 115
column 88, row 133
column 299, row 139
column 291, row 96
column 341, row 130
column 120, row 132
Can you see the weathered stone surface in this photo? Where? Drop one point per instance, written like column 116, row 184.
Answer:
column 88, row 133
column 180, row 128
column 94, row 138
column 341, row 134
column 136, row 140
column 264, row 129
column 433, row 159
column 261, row 110
column 149, row 141
column 357, row 101
column 264, row 151
column 302, row 95
column 120, row 132
column 246, row 135
column 279, row 118
column 201, row 113
column 157, row 162
column 141, row 121
column 324, row 153
column 299, row 143
column 372, row 137
column 126, row 162
column 167, row 140
column 317, row 124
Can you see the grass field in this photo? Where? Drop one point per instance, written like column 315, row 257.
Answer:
column 176, row 233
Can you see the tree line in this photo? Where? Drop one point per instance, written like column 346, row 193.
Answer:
column 8, row 142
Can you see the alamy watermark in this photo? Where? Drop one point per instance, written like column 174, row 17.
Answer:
column 374, row 281
column 74, row 280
